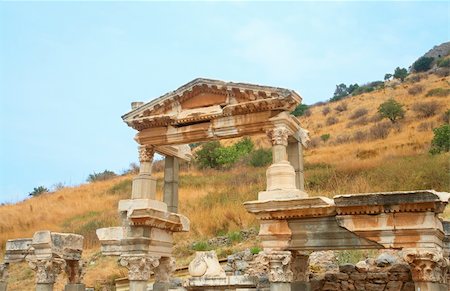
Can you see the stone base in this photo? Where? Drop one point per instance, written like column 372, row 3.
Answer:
column 428, row 286
column 138, row 285
column 74, row 287
column 301, row 286
column 44, row 287
column 3, row 286
column 281, row 287
column 161, row 286
column 229, row 282
column 281, row 194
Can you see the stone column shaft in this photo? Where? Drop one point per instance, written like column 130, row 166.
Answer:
column 144, row 185
column 3, row 276
column 295, row 157
column 171, row 173
column 163, row 273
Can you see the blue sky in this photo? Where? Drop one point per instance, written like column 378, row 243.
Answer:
column 69, row 70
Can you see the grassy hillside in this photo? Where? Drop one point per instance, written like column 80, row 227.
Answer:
column 348, row 162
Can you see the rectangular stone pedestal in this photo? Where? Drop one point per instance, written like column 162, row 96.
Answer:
column 74, row 287
column 161, row 286
column 280, row 287
column 301, row 286
column 138, row 285
column 44, row 287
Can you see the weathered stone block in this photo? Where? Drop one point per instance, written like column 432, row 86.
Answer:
column 330, row 277
column 374, row 287
column 17, row 249
column 358, row 276
column 394, row 286
column 399, row 268
column 347, row 268
column 342, row 276
column 377, row 276
column 408, row 286
column 332, row 286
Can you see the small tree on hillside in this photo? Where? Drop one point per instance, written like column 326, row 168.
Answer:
column 300, row 110
column 423, row 64
column 387, row 77
column 441, row 139
column 340, row 92
column 392, row 110
column 38, row 191
column 400, row 73
column 102, row 176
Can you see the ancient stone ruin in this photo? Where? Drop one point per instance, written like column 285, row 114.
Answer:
column 48, row 254
column 292, row 224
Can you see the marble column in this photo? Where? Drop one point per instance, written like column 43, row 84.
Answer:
column 280, row 273
column 171, row 169
column 47, row 270
column 281, row 177
column 144, row 185
column 75, row 271
column 4, row 276
column 163, row 273
column 429, row 269
column 139, row 269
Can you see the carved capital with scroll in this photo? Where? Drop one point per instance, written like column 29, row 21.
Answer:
column 146, row 153
column 279, row 135
column 427, row 265
column 139, row 267
column 47, row 270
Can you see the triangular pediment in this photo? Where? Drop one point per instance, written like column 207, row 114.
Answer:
column 203, row 99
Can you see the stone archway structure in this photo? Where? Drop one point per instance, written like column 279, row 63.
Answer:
column 292, row 224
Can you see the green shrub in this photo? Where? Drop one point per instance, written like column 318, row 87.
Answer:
column 260, row 158
column 103, row 176
column 441, row 140
column 443, row 63
column 38, row 191
column 122, row 188
column 325, row 137
column 235, row 236
column 438, row 92
column 255, row 250
column 201, row 246
column 423, row 64
column 206, row 157
column 425, row 109
column 300, row 110
column 392, row 110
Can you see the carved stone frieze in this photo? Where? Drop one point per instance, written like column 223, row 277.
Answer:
column 3, row 272
column 279, row 135
column 75, row 271
column 165, row 269
column 139, row 267
column 47, row 270
column 427, row 265
column 146, row 153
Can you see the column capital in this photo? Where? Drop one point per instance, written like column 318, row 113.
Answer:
column 165, row 269
column 280, row 266
column 427, row 265
column 279, row 135
column 146, row 153
column 47, row 270
column 4, row 272
column 139, row 267
column 75, row 271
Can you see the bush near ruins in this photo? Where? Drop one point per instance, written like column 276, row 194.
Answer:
column 325, row 137
column 300, row 110
column 426, row 109
column 325, row 111
column 260, row 157
column 441, row 140
column 392, row 110
column 423, row 64
column 358, row 113
column 341, row 107
column 443, row 63
column 103, row 176
column 331, row 120
column 213, row 155
column 415, row 90
column 380, row 130
column 446, row 116
column 38, row 191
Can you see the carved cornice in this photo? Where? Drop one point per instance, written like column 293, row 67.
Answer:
column 165, row 269
column 427, row 265
column 279, row 135
column 47, row 270
column 139, row 267
column 146, row 153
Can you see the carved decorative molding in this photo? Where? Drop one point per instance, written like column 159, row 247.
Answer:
column 3, row 272
column 279, row 135
column 165, row 269
column 427, row 265
column 280, row 266
column 139, row 267
column 47, row 270
column 75, row 271
column 146, row 153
